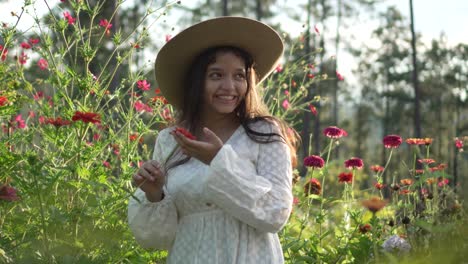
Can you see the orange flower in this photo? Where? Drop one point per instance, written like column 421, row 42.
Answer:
column 377, row 168
column 406, row 182
column 379, row 186
column 374, row 204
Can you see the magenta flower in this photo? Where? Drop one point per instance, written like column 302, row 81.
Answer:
column 143, row 85
column 71, row 20
column 392, row 141
column 314, row 161
column 8, row 193
column 285, row 104
column 43, row 64
column 354, row 163
column 334, row 132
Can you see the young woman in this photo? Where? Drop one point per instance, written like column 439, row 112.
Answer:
column 222, row 195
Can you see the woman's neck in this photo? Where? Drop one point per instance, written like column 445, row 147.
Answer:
column 222, row 125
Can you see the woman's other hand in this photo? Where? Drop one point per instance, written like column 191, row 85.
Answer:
column 204, row 151
column 150, row 179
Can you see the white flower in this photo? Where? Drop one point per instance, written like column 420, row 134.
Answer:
column 396, row 244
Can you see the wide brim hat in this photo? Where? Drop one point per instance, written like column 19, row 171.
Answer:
column 175, row 58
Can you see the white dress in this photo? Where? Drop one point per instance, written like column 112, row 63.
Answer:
column 227, row 212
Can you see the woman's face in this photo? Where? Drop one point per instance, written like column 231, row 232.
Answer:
column 225, row 84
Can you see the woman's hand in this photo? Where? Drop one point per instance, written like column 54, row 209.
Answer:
column 150, row 179
column 204, row 151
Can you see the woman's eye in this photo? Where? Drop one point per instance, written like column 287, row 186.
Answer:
column 215, row 75
column 240, row 76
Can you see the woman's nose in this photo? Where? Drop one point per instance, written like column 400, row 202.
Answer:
column 228, row 83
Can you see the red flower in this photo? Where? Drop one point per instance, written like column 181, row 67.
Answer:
column 143, row 85
column 3, row 100
column 312, row 109
column 33, row 41
column 405, row 192
column 379, row 186
column 71, row 20
column 354, row 163
column 23, row 58
column 316, row 30
column 334, row 132
column 314, row 161
column 184, row 132
column 43, row 64
column 25, row 45
column 8, row 193
column 377, row 168
column 106, row 164
column 3, row 52
column 87, row 117
column 392, row 141
column 313, row 187
column 57, row 122
column 345, row 177
column 365, row 228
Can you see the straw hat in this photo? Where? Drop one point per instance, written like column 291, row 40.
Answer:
column 175, row 58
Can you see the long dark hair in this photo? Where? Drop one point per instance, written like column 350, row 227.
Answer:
column 250, row 110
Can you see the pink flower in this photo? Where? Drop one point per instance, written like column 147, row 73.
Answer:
column 20, row 122
column 296, row 200
column 140, row 107
column 106, row 164
column 334, row 132
column 96, row 137
column 285, row 104
column 316, row 30
column 143, row 85
column 43, row 64
column 38, row 95
column 443, row 182
column 314, row 161
column 279, row 68
column 23, row 58
column 71, row 20
column 354, row 163
column 392, row 141
column 458, row 143
column 166, row 114
column 339, row 76
column 105, row 24
column 168, row 37
column 25, row 45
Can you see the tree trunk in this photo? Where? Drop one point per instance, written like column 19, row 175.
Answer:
column 225, row 8
column 307, row 116
column 417, row 115
column 258, row 9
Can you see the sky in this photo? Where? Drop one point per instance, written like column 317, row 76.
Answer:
column 432, row 17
